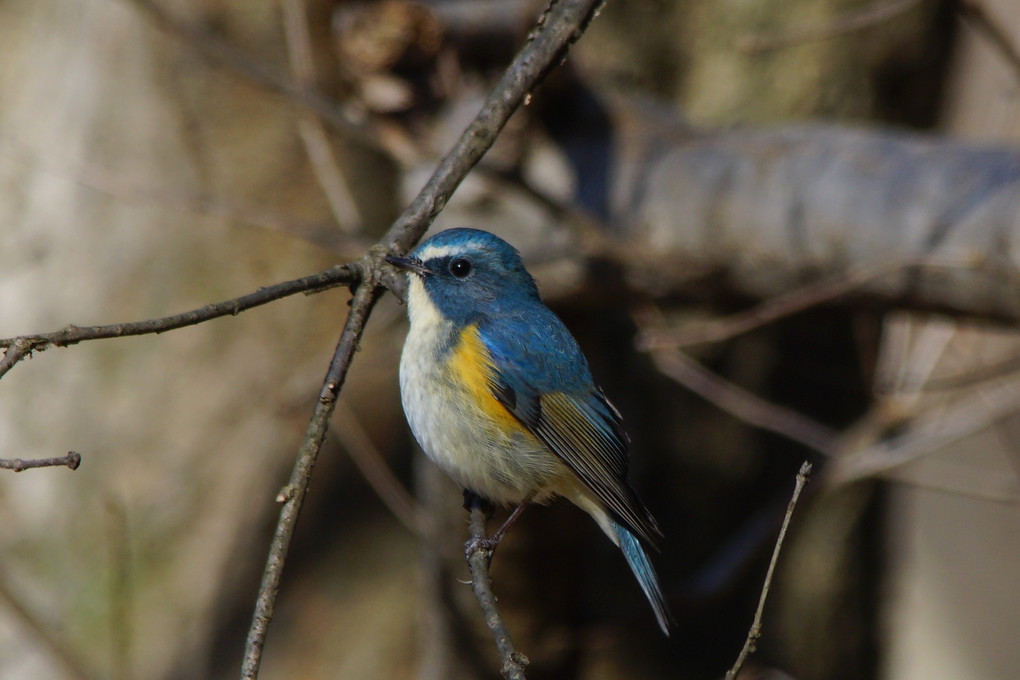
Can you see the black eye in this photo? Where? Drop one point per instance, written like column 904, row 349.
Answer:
column 460, row 268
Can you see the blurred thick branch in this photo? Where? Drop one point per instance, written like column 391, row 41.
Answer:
column 761, row 212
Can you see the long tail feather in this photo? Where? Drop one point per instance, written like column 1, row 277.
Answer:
column 645, row 574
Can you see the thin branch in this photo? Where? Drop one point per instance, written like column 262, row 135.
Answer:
column 218, row 51
column 329, row 175
column 22, row 346
column 969, row 378
column 932, row 337
column 71, row 460
column 781, row 306
column 744, row 405
column 128, row 190
column 372, row 466
column 929, row 431
column 560, row 25
column 755, row 632
column 292, row 496
column 310, row 127
column 975, row 13
column 513, row 662
column 732, row 398
column 959, row 480
column 854, row 20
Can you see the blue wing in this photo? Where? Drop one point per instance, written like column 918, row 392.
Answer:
column 542, row 378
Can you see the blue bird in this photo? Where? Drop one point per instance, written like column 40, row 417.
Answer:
column 499, row 395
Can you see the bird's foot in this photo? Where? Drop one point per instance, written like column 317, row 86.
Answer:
column 489, row 544
column 477, row 543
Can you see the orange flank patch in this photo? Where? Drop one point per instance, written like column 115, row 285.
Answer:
column 471, row 366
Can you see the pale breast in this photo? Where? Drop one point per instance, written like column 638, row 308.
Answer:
column 462, row 428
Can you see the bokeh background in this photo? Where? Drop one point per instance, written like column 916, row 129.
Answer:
column 158, row 156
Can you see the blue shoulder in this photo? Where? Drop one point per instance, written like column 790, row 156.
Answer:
column 532, row 349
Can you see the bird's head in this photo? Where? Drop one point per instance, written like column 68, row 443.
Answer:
column 464, row 273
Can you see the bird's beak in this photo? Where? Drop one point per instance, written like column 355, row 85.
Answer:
column 411, row 264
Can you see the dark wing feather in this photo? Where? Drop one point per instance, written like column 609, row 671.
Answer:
column 588, row 438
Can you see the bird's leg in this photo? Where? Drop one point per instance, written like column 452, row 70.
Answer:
column 475, row 544
column 500, row 532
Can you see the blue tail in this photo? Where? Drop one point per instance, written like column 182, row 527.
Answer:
column 645, row 574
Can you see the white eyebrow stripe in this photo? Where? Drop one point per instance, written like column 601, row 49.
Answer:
column 430, row 252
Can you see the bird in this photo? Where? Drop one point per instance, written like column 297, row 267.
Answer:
column 499, row 395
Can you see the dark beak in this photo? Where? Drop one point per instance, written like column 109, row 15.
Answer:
column 410, row 264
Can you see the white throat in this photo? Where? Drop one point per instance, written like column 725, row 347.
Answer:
column 422, row 312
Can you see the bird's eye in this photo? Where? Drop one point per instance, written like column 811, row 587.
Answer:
column 460, row 268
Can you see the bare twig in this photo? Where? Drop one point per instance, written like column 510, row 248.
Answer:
column 20, row 347
column 513, row 662
column 755, row 632
column 310, row 127
column 561, row 24
column 849, row 22
column 975, row 13
column 369, row 461
column 71, row 460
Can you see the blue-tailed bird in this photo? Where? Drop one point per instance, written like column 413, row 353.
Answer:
column 499, row 395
